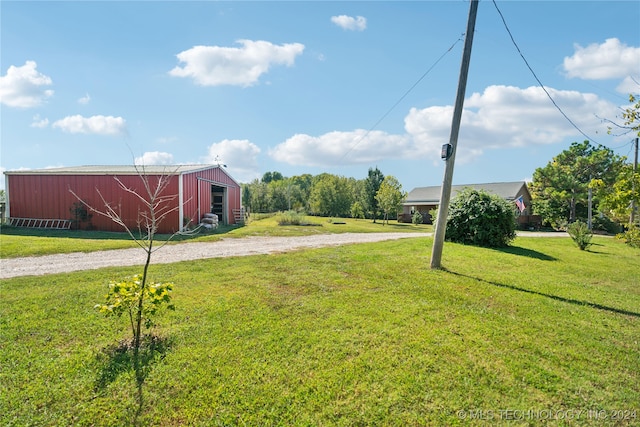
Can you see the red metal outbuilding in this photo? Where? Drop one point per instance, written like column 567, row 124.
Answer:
column 40, row 197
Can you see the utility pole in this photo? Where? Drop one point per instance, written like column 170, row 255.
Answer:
column 590, row 208
column 632, row 217
column 450, row 152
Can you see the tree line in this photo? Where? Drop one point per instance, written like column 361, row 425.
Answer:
column 588, row 177
column 375, row 197
column 584, row 175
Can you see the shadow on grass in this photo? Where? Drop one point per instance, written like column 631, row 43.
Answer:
column 118, row 358
column 530, row 253
column 553, row 297
column 103, row 235
column 592, row 249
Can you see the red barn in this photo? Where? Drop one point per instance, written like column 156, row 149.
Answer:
column 49, row 197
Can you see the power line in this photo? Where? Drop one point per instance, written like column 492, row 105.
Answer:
column 359, row 140
column 632, row 144
column 536, row 77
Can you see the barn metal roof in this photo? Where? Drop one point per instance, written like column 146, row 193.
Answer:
column 115, row 170
column 431, row 195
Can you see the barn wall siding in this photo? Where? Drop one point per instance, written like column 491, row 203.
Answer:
column 50, row 197
column 47, row 196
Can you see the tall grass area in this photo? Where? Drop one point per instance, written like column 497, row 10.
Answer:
column 361, row 334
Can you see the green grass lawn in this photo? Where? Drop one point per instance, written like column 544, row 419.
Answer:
column 21, row 242
column 361, row 334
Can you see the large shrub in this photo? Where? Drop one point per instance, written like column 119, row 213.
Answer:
column 480, row 218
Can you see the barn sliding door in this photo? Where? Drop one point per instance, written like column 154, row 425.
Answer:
column 218, row 202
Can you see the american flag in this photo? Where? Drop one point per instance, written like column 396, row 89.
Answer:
column 520, row 204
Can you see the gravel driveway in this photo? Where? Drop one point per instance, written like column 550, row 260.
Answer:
column 64, row 263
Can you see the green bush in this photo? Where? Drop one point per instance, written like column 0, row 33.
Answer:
column 631, row 236
column 581, row 235
column 416, row 218
column 292, row 218
column 434, row 215
column 480, row 218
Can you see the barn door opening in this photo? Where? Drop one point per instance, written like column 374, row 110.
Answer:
column 218, row 204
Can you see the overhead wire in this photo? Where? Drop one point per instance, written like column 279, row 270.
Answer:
column 630, row 143
column 375, row 125
column 631, row 147
column 536, row 77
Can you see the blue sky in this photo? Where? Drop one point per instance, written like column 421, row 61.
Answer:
column 311, row 87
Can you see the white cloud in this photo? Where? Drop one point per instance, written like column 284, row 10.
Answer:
column 499, row 118
column 609, row 60
column 239, row 155
column 24, row 87
column 84, row 100
column 336, row 147
column 39, row 123
column 359, row 23
column 98, row 125
column 507, row 116
column 629, row 85
column 154, row 158
column 239, row 66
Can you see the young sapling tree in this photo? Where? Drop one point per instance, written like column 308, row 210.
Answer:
column 138, row 296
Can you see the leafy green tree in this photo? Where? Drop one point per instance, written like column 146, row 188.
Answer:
column 277, row 195
column 302, row 191
column 480, row 218
column 359, row 193
column 259, row 201
column 616, row 199
column 246, row 196
column 626, row 189
column 560, row 189
column 271, row 176
column 357, row 211
column 331, row 195
column 390, row 196
column 372, row 185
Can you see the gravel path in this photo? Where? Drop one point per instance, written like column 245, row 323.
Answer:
column 64, row 263
column 77, row 261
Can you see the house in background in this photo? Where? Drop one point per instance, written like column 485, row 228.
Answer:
column 43, row 197
column 425, row 199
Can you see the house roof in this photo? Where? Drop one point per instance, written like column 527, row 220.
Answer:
column 115, row 170
column 431, row 195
